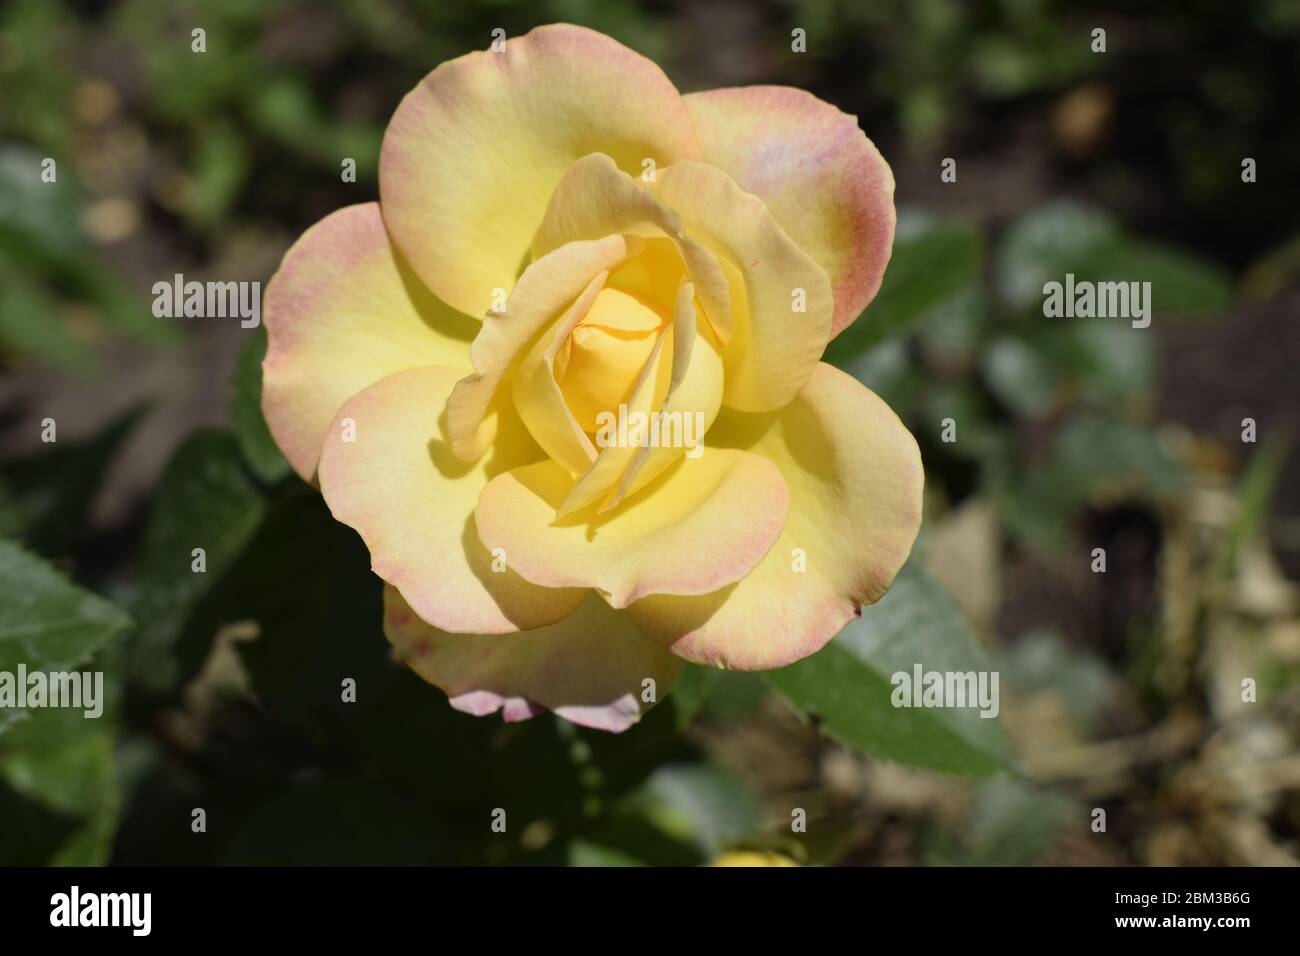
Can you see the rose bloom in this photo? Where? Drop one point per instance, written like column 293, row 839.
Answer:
column 563, row 241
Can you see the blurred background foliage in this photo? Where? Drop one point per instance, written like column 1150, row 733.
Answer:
column 1120, row 690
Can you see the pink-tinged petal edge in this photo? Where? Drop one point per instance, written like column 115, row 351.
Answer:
column 589, row 668
column 856, row 482
column 342, row 312
column 824, row 180
column 399, row 485
column 472, row 154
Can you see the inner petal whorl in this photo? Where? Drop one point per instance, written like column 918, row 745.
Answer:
column 605, row 353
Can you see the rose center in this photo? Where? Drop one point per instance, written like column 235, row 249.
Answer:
column 598, row 366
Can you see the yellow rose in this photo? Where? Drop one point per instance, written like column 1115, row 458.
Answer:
column 752, row 858
column 498, row 374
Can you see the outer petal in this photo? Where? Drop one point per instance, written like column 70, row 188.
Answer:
column 855, row 484
column 781, row 298
column 702, row 526
column 343, row 311
column 589, row 668
column 473, row 153
column 412, row 501
column 825, row 182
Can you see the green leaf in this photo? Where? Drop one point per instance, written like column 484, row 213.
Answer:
column 71, row 775
column 847, row 684
column 46, row 621
column 1064, row 237
column 709, row 692
column 1108, row 364
column 952, row 332
column 1046, row 243
column 207, row 500
column 1097, row 457
column 42, row 212
column 1020, row 376
column 1113, row 361
column 57, row 762
column 246, row 419
column 1181, row 283
column 931, row 262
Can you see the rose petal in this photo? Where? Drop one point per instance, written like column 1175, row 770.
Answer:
column 647, row 392
column 596, row 198
column 824, row 181
column 537, row 395
column 855, row 480
column 342, row 312
column 548, row 288
column 780, row 298
column 704, row 524
column 693, row 398
column 589, row 668
column 412, row 501
column 473, row 153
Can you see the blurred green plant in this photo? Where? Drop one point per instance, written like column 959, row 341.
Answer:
column 1050, row 415
column 56, row 765
column 287, row 609
column 46, row 264
column 225, row 690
